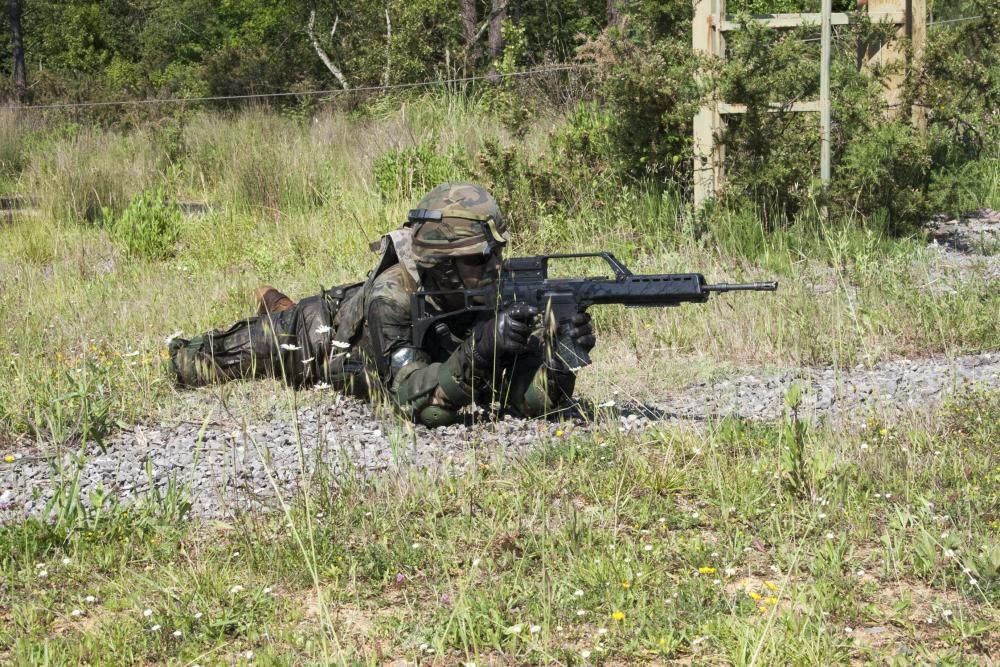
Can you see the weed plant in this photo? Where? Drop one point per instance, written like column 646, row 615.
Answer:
column 148, row 227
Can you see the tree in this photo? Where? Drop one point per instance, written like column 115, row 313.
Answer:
column 17, row 46
column 614, row 13
column 467, row 10
column 495, row 37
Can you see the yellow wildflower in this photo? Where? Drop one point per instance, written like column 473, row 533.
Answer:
column 9, row 458
column 626, row 585
column 771, row 585
column 618, row 615
column 706, row 570
column 763, row 609
column 771, row 600
column 754, row 595
column 559, row 433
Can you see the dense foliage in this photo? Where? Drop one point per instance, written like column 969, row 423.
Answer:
column 89, row 49
column 629, row 109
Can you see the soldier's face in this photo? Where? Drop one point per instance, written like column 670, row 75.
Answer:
column 478, row 270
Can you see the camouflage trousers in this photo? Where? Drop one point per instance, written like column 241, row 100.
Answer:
column 294, row 345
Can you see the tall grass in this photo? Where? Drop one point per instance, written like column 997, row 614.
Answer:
column 16, row 132
column 257, row 163
column 295, row 202
column 79, row 177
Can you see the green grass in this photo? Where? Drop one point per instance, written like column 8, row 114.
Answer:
column 295, row 204
column 691, row 544
column 85, row 310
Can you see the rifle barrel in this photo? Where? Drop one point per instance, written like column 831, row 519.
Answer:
column 742, row 287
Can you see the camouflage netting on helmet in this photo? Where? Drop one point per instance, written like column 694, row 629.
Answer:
column 456, row 220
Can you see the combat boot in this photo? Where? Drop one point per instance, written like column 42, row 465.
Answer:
column 271, row 301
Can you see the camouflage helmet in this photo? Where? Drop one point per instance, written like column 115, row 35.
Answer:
column 456, row 220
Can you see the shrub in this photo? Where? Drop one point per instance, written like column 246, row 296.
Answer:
column 410, row 172
column 651, row 85
column 149, row 227
column 887, row 172
column 648, row 83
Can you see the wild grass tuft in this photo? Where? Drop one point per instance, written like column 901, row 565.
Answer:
column 78, row 177
column 17, row 130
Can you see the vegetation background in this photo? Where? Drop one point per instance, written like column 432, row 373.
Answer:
column 590, row 151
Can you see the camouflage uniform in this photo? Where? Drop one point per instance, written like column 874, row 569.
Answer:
column 358, row 338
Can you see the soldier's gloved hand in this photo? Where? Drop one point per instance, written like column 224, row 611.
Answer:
column 582, row 331
column 505, row 335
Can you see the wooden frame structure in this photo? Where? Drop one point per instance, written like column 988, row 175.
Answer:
column 708, row 36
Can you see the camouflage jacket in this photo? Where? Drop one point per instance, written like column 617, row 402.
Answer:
column 432, row 383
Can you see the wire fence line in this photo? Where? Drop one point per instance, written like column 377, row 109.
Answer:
column 964, row 18
column 333, row 92
column 930, row 24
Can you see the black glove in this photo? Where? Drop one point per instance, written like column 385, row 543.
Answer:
column 582, row 331
column 504, row 336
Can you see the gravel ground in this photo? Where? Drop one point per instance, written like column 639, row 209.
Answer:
column 969, row 245
column 227, row 468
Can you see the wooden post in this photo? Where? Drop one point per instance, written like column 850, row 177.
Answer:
column 890, row 55
column 704, row 120
column 719, row 50
column 824, row 92
column 917, row 24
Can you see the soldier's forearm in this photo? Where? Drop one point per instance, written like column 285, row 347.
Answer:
column 537, row 390
column 424, row 397
column 434, row 394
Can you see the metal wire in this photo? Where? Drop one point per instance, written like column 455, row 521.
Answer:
column 367, row 89
column 929, row 25
column 332, row 92
column 964, row 18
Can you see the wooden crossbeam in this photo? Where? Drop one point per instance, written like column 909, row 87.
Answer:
column 812, row 106
column 732, row 22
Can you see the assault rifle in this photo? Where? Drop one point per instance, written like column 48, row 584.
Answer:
column 526, row 280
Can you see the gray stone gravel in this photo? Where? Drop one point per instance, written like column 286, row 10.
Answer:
column 969, row 245
column 887, row 390
column 226, row 468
